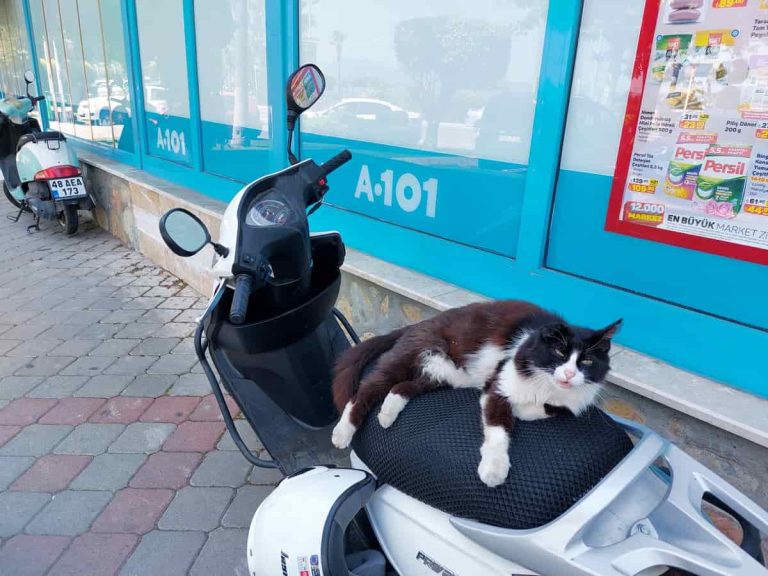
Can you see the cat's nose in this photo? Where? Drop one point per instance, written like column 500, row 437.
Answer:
column 569, row 373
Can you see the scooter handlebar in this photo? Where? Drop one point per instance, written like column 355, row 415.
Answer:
column 239, row 308
column 336, row 162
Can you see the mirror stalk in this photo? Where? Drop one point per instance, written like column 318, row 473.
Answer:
column 222, row 251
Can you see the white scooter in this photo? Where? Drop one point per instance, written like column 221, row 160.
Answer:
column 592, row 495
column 41, row 173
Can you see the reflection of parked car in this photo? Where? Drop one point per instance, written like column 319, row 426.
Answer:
column 155, row 99
column 97, row 110
column 503, row 130
column 366, row 119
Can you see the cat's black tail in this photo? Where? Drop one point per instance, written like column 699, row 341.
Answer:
column 351, row 365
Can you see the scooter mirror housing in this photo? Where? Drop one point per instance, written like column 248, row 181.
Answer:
column 304, row 88
column 185, row 234
column 29, row 77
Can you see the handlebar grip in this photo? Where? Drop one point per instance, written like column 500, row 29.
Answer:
column 239, row 308
column 336, row 162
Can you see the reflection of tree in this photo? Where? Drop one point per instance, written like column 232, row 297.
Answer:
column 337, row 39
column 444, row 54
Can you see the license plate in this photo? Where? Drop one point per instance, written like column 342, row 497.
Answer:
column 67, row 187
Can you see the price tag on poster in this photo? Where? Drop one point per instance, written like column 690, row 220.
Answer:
column 692, row 169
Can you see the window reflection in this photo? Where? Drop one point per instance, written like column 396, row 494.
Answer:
column 14, row 49
column 444, row 76
column 82, row 61
column 232, row 69
column 601, row 77
column 164, row 70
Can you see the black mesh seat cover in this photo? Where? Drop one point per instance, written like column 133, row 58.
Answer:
column 432, row 450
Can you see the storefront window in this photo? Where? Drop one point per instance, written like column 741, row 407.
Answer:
column 452, row 85
column 603, row 70
column 84, row 83
column 451, row 76
column 116, row 75
column 232, row 72
column 14, row 49
column 164, row 71
column 74, row 68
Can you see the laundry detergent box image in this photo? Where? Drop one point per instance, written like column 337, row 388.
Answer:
column 722, row 178
column 687, row 159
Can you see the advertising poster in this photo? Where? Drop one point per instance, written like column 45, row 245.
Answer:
column 692, row 168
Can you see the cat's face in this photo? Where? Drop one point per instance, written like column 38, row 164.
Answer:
column 570, row 355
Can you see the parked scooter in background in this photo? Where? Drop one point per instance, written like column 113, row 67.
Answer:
column 41, row 173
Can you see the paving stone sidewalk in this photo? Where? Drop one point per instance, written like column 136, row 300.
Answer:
column 113, row 456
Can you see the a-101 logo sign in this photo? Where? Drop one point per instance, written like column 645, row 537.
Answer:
column 171, row 141
column 405, row 192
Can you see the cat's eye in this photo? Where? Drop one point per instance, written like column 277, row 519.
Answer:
column 559, row 353
column 586, row 362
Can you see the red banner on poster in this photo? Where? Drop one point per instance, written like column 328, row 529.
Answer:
column 692, row 168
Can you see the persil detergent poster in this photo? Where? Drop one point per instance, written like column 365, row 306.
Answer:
column 692, row 168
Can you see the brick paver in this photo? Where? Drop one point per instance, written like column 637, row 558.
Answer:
column 18, row 508
column 90, row 439
column 108, row 429
column 8, row 432
column 31, row 555
column 223, row 553
column 95, row 554
column 208, row 410
column 150, row 385
column 121, row 410
column 72, row 411
column 133, row 511
column 175, row 409
column 194, row 437
column 24, row 411
column 51, row 473
column 69, row 513
column 222, row 469
column 165, row 552
column 244, row 505
column 35, row 440
column 196, row 509
column 108, row 472
column 11, row 467
column 166, row 470
column 142, row 437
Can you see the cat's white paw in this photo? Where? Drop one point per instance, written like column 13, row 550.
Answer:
column 391, row 408
column 493, row 468
column 341, row 437
column 342, row 434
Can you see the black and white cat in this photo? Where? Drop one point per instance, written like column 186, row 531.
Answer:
column 529, row 363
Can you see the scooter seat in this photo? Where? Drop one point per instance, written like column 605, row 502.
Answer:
column 432, row 451
column 40, row 137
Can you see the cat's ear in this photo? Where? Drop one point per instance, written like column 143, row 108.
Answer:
column 554, row 333
column 602, row 338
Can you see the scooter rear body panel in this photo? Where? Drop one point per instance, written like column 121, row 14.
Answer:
column 34, row 156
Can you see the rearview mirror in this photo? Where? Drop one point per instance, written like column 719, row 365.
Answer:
column 183, row 232
column 304, row 88
column 29, row 77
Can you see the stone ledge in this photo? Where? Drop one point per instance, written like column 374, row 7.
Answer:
column 714, row 403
